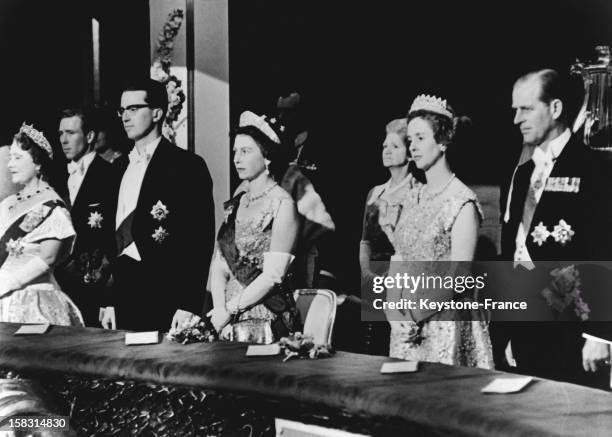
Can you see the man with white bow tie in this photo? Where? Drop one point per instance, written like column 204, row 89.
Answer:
column 92, row 195
column 164, row 222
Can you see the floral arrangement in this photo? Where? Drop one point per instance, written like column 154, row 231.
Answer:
column 195, row 330
column 303, row 346
column 93, row 267
column 564, row 290
column 160, row 70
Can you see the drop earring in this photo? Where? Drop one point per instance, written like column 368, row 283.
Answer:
column 267, row 162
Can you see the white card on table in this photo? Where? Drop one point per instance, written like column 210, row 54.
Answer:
column 592, row 337
column 148, row 337
column 507, row 385
column 400, row 367
column 32, row 329
column 262, row 350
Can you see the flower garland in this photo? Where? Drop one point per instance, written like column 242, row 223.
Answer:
column 160, row 71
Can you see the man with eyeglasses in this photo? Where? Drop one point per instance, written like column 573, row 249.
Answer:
column 164, row 222
column 93, row 186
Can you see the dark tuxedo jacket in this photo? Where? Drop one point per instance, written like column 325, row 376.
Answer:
column 547, row 348
column 173, row 271
column 97, row 195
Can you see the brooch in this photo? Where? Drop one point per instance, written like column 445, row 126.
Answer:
column 540, row 234
column 563, row 232
column 95, row 220
column 33, row 218
column 160, row 235
column 15, row 247
column 159, row 211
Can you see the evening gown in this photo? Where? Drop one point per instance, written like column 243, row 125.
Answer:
column 31, row 222
column 382, row 211
column 451, row 336
column 252, row 239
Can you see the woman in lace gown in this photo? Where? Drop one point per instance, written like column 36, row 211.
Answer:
column 252, row 301
column 382, row 211
column 442, row 226
column 35, row 230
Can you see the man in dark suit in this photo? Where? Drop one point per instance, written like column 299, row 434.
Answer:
column 553, row 213
column 164, row 222
column 92, row 196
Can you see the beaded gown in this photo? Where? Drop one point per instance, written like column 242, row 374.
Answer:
column 252, row 239
column 23, row 226
column 422, row 240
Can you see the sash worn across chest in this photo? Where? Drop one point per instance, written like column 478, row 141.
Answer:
column 16, row 231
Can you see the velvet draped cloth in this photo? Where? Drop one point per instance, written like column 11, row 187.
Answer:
column 438, row 398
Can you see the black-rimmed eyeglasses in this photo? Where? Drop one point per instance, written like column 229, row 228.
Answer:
column 131, row 109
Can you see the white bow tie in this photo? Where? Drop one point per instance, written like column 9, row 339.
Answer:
column 73, row 167
column 136, row 157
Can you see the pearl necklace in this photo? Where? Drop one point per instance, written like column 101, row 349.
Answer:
column 250, row 199
column 440, row 191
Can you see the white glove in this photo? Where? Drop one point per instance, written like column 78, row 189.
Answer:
column 24, row 275
column 275, row 267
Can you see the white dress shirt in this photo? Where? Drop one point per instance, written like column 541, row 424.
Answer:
column 544, row 162
column 77, row 172
column 130, row 188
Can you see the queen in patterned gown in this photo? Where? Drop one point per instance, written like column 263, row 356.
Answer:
column 252, row 300
column 442, row 227
column 35, row 231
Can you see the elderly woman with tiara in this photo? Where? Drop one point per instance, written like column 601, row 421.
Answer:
column 252, row 301
column 440, row 230
column 35, row 231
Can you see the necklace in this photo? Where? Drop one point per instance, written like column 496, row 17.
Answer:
column 250, row 199
column 441, row 190
column 21, row 197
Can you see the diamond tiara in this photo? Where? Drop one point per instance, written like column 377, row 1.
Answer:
column 431, row 103
column 38, row 137
column 248, row 118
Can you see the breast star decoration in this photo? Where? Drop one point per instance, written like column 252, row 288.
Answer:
column 15, row 247
column 95, row 220
column 540, row 234
column 159, row 211
column 160, row 235
column 563, row 232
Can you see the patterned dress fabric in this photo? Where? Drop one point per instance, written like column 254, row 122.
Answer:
column 422, row 240
column 40, row 301
column 253, row 237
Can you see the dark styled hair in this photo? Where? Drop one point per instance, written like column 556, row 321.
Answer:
column 85, row 114
column 554, row 85
column 38, row 154
column 277, row 154
column 156, row 93
column 443, row 127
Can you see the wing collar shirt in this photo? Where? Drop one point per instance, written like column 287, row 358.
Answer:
column 130, row 188
column 544, row 162
column 77, row 172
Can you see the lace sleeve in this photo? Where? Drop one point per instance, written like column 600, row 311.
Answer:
column 57, row 225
